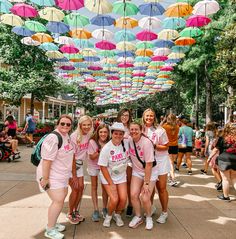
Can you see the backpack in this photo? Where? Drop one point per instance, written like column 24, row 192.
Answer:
column 36, row 155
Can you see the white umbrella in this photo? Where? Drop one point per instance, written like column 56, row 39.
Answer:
column 206, row 7
column 162, row 51
column 103, row 34
column 149, row 23
column 64, row 40
column 125, row 59
column 29, row 41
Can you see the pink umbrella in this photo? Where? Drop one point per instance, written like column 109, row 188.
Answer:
column 167, row 68
column 105, row 45
column 140, row 74
column 70, row 4
column 146, row 36
column 113, row 78
column 197, row 21
column 70, row 49
column 159, row 58
column 89, row 80
column 95, row 68
column 67, row 68
column 24, row 10
column 125, row 65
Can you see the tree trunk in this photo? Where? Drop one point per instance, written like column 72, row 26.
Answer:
column 32, row 104
column 208, row 96
column 197, row 100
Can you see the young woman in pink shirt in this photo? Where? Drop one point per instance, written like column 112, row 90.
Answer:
column 80, row 139
column 96, row 143
column 158, row 136
column 54, row 171
column 144, row 175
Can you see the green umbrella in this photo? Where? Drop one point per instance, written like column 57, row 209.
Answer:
column 190, row 32
column 145, row 45
column 125, row 8
column 107, row 53
column 157, row 63
column 164, row 73
column 76, row 20
column 73, row 56
column 180, row 49
column 35, row 26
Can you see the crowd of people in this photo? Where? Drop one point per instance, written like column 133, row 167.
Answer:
column 132, row 160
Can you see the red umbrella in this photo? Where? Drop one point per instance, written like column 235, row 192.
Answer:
column 146, row 36
column 70, row 49
column 24, row 10
column 105, row 45
column 167, row 68
column 70, row 4
column 159, row 58
column 197, row 21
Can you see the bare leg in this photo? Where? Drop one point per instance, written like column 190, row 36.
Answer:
column 225, row 182
column 94, row 191
column 162, row 191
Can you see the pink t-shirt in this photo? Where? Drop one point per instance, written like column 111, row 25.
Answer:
column 81, row 148
column 92, row 148
column 158, row 136
column 62, row 159
column 127, row 133
column 145, row 151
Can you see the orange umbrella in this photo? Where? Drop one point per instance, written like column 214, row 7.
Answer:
column 80, row 33
column 42, row 37
column 144, row 52
column 126, row 22
column 183, row 41
column 180, row 9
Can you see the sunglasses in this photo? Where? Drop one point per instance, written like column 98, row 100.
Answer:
column 67, row 124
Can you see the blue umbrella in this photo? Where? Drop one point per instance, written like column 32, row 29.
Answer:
column 110, row 72
column 180, row 49
column 83, row 43
column 164, row 43
column 125, row 53
column 140, row 68
column 102, row 20
column 61, row 60
column 173, row 60
column 46, row 3
column 151, row 9
column 48, row 46
column 80, row 65
column 150, row 77
column 91, row 58
column 57, row 27
column 5, row 6
column 173, row 23
column 22, row 31
column 124, row 35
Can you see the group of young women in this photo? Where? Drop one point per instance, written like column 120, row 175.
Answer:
column 131, row 159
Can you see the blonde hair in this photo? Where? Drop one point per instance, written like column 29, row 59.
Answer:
column 155, row 124
column 80, row 133
column 171, row 120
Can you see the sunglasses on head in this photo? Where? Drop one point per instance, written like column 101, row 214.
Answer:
column 67, row 124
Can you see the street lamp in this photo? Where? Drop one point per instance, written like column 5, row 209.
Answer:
column 221, row 110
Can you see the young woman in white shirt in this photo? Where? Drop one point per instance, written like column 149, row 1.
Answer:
column 96, row 143
column 158, row 136
column 144, row 175
column 113, row 161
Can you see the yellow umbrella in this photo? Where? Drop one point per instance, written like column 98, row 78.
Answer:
column 141, row 64
column 108, row 61
column 168, row 34
column 125, row 46
column 98, row 6
column 11, row 19
column 183, row 41
column 177, row 55
column 88, row 52
column 144, row 52
column 80, row 33
column 42, row 37
column 154, row 67
column 52, row 14
column 170, row 82
column 126, row 22
column 179, row 9
column 54, row 54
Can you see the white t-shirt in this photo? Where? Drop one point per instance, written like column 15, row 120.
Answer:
column 92, row 148
column 145, row 151
column 158, row 136
column 81, row 148
column 112, row 156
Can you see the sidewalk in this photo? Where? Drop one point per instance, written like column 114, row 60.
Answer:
column 194, row 210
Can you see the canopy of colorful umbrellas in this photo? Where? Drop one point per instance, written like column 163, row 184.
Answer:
column 123, row 50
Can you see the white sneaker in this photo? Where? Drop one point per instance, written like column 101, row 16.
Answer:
column 107, row 221
column 173, row 183
column 135, row 222
column 53, row 234
column 163, row 218
column 118, row 220
column 60, row 227
column 153, row 211
column 149, row 223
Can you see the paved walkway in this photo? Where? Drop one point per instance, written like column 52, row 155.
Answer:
column 194, row 210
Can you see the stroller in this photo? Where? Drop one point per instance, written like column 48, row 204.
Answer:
column 6, row 153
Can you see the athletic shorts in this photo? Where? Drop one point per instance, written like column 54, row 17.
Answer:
column 93, row 171
column 173, row 150
column 186, row 150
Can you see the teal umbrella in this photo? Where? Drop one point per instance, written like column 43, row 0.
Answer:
column 45, row 3
column 35, row 26
column 125, row 8
column 5, row 6
column 124, row 35
column 83, row 43
column 145, row 45
column 74, row 19
column 48, row 46
column 190, row 32
column 180, row 49
column 173, row 23
column 142, row 59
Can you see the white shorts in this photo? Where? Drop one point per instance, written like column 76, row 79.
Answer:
column 122, row 179
column 163, row 166
column 80, row 172
column 56, row 184
column 93, row 171
column 154, row 175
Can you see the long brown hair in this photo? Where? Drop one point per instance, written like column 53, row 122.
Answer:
column 172, row 121
column 121, row 112
column 95, row 136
